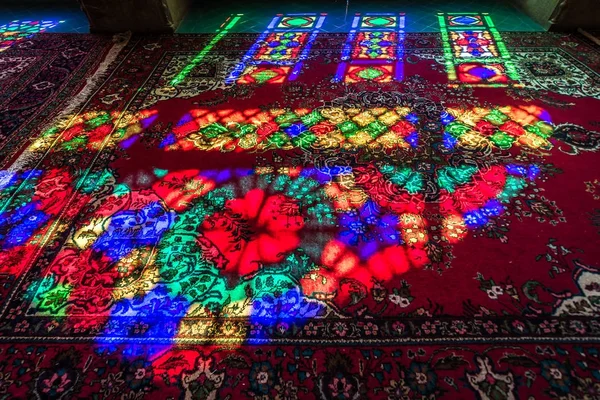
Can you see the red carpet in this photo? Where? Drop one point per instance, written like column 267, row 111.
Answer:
column 198, row 233
column 38, row 76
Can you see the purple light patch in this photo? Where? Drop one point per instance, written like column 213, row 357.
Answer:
column 518, row 170
column 168, row 141
column 482, row 72
column 148, row 121
column 545, row 116
column 185, row 119
column 129, row 142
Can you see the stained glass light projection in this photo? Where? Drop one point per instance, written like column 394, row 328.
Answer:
column 374, row 49
column 221, row 32
column 279, row 52
column 208, row 239
column 474, row 52
column 16, row 31
column 335, row 128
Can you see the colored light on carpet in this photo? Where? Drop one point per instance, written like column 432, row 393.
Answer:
column 221, row 32
column 377, row 39
column 333, row 128
column 281, row 46
column 375, row 45
column 310, row 239
column 286, row 42
column 476, row 73
column 469, row 37
column 376, row 73
column 119, row 232
column 267, row 74
column 476, row 44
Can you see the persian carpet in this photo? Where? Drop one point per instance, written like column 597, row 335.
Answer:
column 39, row 76
column 208, row 227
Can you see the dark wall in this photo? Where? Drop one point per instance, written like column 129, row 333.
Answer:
column 139, row 16
column 563, row 14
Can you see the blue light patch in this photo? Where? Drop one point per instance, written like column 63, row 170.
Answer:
column 369, row 229
column 412, row 118
column 169, row 140
column 530, row 172
column 492, row 208
column 475, row 219
column 412, row 139
column 295, row 130
column 517, row 170
column 483, row 72
column 185, row 119
column 131, row 229
column 449, row 141
column 534, row 172
column 155, row 314
column 446, row 118
column 17, row 227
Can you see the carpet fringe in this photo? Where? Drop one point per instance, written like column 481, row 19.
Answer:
column 64, row 118
column 93, row 81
